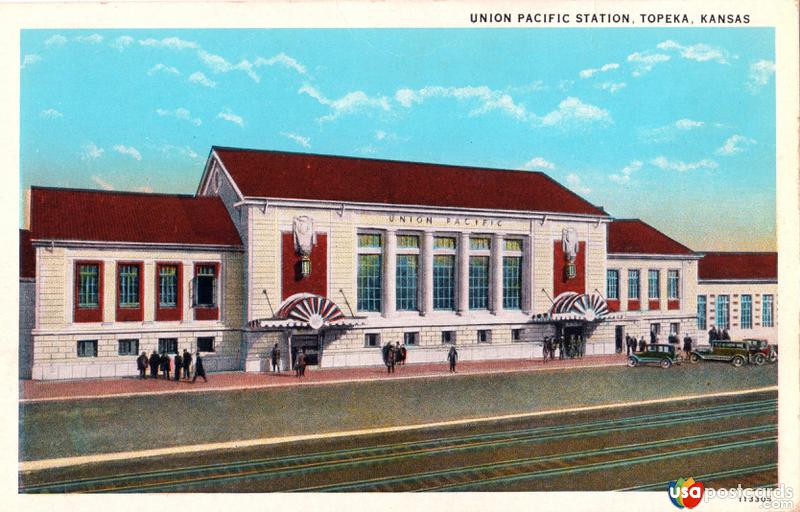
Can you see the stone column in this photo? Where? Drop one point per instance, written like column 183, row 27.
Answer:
column 496, row 274
column 623, row 288
column 527, row 283
column 462, row 273
column 426, row 274
column 389, row 272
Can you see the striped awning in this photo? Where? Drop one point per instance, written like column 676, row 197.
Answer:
column 306, row 310
column 571, row 306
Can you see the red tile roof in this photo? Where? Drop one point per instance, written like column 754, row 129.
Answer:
column 27, row 256
column 273, row 174
column 738, row 265
column 632, row 236
column 93, row 215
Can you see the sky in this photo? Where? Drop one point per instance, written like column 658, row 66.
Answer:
column 673, row 126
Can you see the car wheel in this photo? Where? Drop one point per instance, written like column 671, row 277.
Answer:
column 632, row 362
column 759, row 359
column 694, row 358
column 666, row 363
column 737, row 361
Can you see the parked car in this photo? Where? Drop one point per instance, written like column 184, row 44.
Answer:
column 761, row 351
column 735, row 352
column 661, row 354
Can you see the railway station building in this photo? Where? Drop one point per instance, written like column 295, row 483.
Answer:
column 339, row 256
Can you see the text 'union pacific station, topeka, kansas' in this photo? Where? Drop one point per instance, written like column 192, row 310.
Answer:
column 339, row 256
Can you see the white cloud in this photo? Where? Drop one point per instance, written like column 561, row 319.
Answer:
column 380, row 135
column 351, row 102
column 50, row 113
column 164, row 69
column 488, row 100
column 29, row 59
column 227, row 115
column 283, row 60
column 538, row 163
column 574, row 182
column 303, row 141
column 612, row 87
column 128, row 150
column 122, row 42
column 102, row 183
column 587, row 73
column 56, row 40
column 677, row 165
column 624, row 176
column 697, row 52
column 687, row 124
column 735, row 144
column 668, row 132
column 92, row 39
column 180, row 113
column 573, row 111
column 760, row 73
column 179, row 150
column 644, row 62
column 91, row 152
column 218, row 64
column 199, row 78
column 171, row 43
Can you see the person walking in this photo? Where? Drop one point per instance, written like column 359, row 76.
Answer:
column 187, row 364
column 165, row 363
column 178, row 366
column 452, row 358
column 391, row 358
column 301, row 363
column 687, row 346
column 725, row 335
column 199, row 371
column 402, row 353
column 642, row 344
column 275, row 358
column 141, row 365
column 712, row 334
column 154, row 361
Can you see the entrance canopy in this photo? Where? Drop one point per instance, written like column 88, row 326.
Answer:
column 306, row 310
column 571, row 306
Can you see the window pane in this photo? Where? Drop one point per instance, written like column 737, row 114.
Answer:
column 767, row 311
column 653, row 284
column 369, row 282
column 747, row 312
column 672, row 284
column 444, row 242
column 512, row 282
column 443, row 282
column 513, row 245
column 168, row 345
column 701, row 312
column 129, row 286
column 205, row 344
column 87, row 348
column 369, row 240
column 168, row 287
column 205, row 290
column 479, row 244
column 406, row 282
column 206, row 270
column 633, row 284
column 88, row 279
column 723, row 313
column 478, row 282
column 128, row 347
column 612, row 284
column 407, row 241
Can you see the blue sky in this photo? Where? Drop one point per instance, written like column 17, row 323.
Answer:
column 674, row 126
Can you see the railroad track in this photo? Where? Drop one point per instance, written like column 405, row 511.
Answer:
column 190, row 478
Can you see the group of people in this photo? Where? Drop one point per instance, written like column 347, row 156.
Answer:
column 393, row 354
column 631, row 343
column 567, row 347
column 181, row 364
column 715, row 334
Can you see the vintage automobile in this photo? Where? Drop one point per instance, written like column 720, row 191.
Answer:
column 735, row 352
column 761, row 351
column 661, row 354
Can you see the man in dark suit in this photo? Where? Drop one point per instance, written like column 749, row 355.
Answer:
column 141, row 365
column 452, row 358
column 164, row 360
column 178, row 366
column 187, row 364
column 154, row 362
column 275, row 357
column 199, row 371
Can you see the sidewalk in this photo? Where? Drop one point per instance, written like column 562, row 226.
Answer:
column 36, row 391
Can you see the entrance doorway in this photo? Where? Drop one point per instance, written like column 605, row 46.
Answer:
column 619, row 333
column 309, row 343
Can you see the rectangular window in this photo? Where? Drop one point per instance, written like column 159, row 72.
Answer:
column 701, row 312
column 512, row 282
column 516, row 334
column 653, row 284
column 513, row 245
column 767, row 306
column 128, row 347
column 484, row 336
column 167, row 345
column 673, row 278
column 746, row 321
column 370, row 240
column 656, row 328
column 633, row 284
column 480, row 244
column 443, row 282
column 205, row 286
column 205, row 344
column 406, row 282
column 612, row 284
column 407, row 242
column 168, row 286
column 723, row 312
column 129, row 286
column 410, row 338
column 675, row 328
column 372, row 339
column 449, row 337
column 87, row 348
column 88, row 285
column 369, row 282
column 444, row 242
column 479, row 282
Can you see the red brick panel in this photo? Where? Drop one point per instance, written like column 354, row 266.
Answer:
column 674, row 304
column 654, row 304
column 613, row 304
column 634, row 305
column 560, row 282
column 292, row 281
